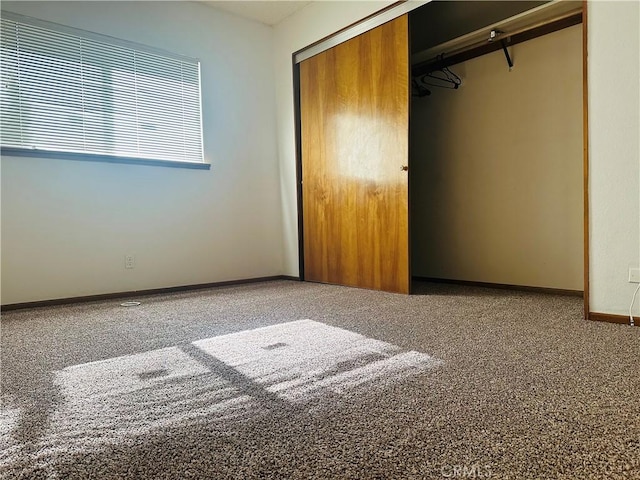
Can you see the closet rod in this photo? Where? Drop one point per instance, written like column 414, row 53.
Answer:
column 511, row 39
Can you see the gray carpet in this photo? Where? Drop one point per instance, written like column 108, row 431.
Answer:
column 284, row 379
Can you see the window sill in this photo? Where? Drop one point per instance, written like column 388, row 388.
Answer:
column 92, row 157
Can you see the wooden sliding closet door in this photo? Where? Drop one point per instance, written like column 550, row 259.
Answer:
column 354, row 111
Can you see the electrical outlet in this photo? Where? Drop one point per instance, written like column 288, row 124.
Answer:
column 129, row 261
column 634, row 275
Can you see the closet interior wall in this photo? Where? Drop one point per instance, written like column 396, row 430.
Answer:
column 496, row 183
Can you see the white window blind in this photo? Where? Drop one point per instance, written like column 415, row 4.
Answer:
column 77, row 92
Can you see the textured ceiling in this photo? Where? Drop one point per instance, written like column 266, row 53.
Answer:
column 269, row 12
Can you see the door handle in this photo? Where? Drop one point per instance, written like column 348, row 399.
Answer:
column 404, row 168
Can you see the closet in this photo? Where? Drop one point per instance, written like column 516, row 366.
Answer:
column 355, row 112
column 445, row 144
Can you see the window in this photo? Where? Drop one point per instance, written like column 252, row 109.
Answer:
column 66, row 90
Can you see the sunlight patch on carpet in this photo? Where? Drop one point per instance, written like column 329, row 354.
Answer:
column 303, row 358
column 223, row 380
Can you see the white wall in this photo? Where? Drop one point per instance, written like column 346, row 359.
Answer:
column 496, row 169
column 66, row 225
column 614, row 153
